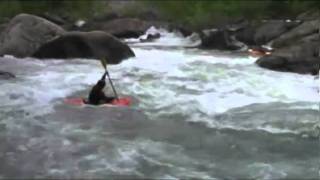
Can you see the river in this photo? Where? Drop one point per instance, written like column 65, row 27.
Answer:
column 196, row 114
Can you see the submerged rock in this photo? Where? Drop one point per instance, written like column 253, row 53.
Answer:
column 25, row 34
column 150, row 37
column 6, row 75
column 95, row 44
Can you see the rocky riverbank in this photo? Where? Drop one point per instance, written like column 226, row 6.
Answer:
column 293, row 45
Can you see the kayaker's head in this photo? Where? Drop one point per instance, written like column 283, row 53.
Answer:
column 101, row 83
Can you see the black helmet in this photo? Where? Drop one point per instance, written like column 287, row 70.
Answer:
column 101, row 83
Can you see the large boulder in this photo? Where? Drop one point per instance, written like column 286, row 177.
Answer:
column 309, row 15
column 119, row 27
column 108, row 16
column 3, row 27
column 299, row 58
column 294, row 35
column 272, row 62
column 123, row 27
column 217, row 39
column 25, row 34
column 300, row 50
column 184, row 30
column 272, row 29
column 53, row 18
column 307, row 65
column 246, row 35
column 309, row 39
column 95, row 44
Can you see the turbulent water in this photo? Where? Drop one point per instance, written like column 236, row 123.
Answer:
column 197, row 114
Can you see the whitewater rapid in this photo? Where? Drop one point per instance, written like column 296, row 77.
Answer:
column 239, row 110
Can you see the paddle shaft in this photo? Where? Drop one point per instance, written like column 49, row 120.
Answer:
column 114, row 90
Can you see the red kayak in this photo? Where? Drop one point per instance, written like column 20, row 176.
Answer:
column 124, row 101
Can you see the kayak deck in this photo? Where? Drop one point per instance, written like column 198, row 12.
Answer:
column 124, row 101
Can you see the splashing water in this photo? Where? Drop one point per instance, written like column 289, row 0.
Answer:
column 208, row 115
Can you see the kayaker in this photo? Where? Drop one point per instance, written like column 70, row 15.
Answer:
column 97, row 96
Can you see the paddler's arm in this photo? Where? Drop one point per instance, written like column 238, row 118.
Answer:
column 104, row 76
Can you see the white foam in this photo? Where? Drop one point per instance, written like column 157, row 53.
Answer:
column 189, row 81
column 167, row 38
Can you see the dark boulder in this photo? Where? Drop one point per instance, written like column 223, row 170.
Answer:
column 148, row 15
column 312, row 14
column 6, row 75
column 105, row 17
column 272, row 29
column 150, row 37
column 25, row 34
column 217, row 39
column 296, row 34
column 246, row 35
column 272, row 62
column 124, row 27
column 184, row 30
column 237, row 25
column 311, row 38
column 3, row 27
column 53, row 18
column 95, row 44
column 65, row 21
column 303, row 57
column 299, row 51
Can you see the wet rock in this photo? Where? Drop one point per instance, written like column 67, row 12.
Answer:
column 25, row 34
column 53, row 18
column 6, row 75
column 296, row 34
column 246, row 35
column 272, row 29
column 105, row 17
column 185, row 31
column 306, row 65
column 3, row 27
column 272, row 62
column 299, row 51
column 95, row 44
column 217, row 39
column 300, row 58
column 309, row 15
column 148, row 15
column 151, row 37
column 124, row 27
column 310, row 38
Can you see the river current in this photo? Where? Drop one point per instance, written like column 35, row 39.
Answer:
column 196, row 114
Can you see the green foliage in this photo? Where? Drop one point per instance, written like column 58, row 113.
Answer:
column 79, row 8
column 201, row 12
column 196, row 13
